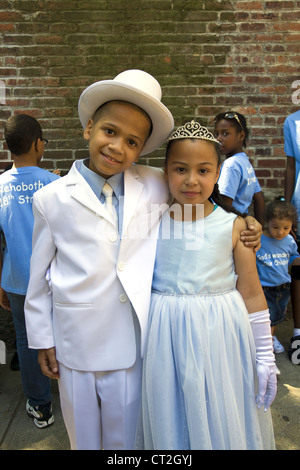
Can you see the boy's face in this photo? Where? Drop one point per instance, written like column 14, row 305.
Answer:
column 116, row 136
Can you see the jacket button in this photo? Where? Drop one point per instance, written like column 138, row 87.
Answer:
column 123, row 298
column 121, row 266
column 113, row 237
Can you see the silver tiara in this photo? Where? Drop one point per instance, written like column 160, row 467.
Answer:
column 193, row 130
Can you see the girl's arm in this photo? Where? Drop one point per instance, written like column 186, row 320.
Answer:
column 248, row 283
column 249, row 286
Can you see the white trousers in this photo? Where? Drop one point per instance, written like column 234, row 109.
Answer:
column 100, row 409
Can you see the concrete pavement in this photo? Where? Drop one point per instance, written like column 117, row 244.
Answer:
column 17, row 431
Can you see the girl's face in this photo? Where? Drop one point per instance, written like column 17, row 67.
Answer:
column 279, row 228
column 230, row 138
column 192, row 170
column 116, row 138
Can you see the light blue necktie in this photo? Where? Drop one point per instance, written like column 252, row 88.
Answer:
column 108, row 192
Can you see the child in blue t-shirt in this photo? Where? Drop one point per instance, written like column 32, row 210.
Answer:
column 278, row 251
column 24, row 139
column 237, row 182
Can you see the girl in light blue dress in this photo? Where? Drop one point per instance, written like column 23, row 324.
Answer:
column 208, row 377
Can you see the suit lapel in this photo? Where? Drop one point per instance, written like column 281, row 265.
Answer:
column 82, row 192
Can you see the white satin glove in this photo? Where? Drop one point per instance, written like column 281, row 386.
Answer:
column 265, row 359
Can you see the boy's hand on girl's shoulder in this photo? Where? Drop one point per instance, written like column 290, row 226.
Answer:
column 252, row 236
column 48, row 363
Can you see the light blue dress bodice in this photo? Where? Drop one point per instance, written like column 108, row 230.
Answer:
column 184, row 247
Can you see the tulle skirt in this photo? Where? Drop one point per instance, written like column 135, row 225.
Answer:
column 199, row 376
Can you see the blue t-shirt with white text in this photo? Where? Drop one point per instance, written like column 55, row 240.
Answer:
column 17, row 187
column 238, row 181
column 273, row 259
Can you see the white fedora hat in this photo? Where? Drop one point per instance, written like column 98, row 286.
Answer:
column 137, row 87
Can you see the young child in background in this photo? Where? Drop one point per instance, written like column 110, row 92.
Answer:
column 24, row 138
column 237, row 182
column 209, row 338
column 277, row 253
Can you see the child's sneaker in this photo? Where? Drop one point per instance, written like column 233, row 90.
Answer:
column 42, row 414
column 278, row 348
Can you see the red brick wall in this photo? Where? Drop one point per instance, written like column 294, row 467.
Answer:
column 209, row 56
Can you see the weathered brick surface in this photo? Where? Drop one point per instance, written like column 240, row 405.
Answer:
column 208, row 55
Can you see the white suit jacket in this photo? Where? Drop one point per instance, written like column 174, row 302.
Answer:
column 95, row 278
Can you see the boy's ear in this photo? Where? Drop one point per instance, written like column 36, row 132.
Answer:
column 88, row 129
column 37, row 145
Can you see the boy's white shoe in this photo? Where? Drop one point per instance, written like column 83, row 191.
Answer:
column 278, row 348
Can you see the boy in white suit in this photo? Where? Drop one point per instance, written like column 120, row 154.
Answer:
column 92, row 263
